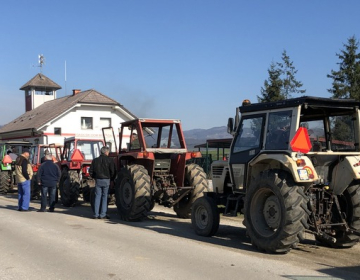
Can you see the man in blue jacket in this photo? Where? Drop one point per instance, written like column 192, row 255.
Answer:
column 48, row 176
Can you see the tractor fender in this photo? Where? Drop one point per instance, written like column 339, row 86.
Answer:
column 346, row 171
column 301, row 174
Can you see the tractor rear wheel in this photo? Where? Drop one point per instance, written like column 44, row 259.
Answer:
column 69, row 187
column 350, row 205
column 132, row 192
column 205, row 216
column 275, row 212
column 5, row 181
column 194, row 176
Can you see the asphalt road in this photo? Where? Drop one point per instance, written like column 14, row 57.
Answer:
column 68, row 244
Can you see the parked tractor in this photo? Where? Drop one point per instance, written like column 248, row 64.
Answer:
column 37, row 157
column 153, row 168
column 9, row 151
column 75, row 162
column 294, row 167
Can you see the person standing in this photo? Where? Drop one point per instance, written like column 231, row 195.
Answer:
column 48, row 176
column 103, row 170
column 44, row 157
column 23, row 175
column 12, row 153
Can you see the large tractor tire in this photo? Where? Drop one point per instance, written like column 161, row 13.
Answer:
column 194, row 176
column 5, row 182
column 275, row 212
column 205, row 216
column 69, row 187
column 350, row 205
column 132, row 192
column 35, row 188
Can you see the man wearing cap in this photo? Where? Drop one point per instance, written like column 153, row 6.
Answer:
column 48, row 176
column 23, row 175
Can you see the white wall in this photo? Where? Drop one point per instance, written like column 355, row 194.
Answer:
column 41, row 99
column 70, row 123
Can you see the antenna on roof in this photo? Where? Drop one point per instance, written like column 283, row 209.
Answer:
column 65, row 77
column 41, row 61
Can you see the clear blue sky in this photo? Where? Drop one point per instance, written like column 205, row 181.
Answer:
column 193, row 60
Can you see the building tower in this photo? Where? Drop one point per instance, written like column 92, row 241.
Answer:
column 39, row 90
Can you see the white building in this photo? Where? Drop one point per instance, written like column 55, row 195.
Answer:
column 49, row 119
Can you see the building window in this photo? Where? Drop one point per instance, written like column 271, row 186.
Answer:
column 105, row 122
column 57, row 130
column 86, row 123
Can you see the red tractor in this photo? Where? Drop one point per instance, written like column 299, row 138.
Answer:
column 152, row 168
column 37, row 155
column 75, row 163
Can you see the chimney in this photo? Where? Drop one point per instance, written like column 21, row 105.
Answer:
column 76, row 91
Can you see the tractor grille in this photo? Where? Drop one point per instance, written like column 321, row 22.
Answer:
column 217, row 170
column 162, row 166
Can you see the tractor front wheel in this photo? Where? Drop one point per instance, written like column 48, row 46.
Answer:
column 69, row 187
column 205, row 216
column 86, row 192
column 132, row 192
column 194, row 176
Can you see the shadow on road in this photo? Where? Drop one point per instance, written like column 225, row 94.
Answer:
column 336, row 273
column 158, row 221
column 230, row 234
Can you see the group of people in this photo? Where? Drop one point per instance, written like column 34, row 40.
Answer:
column 102, row 169
column 47, row 177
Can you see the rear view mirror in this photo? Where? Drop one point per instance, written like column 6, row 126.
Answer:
column 230, row 126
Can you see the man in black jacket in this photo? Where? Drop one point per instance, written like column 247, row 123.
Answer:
column 103, row 170
column 48, row 176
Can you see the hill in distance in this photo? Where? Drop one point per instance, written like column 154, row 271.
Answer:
column 199, row 136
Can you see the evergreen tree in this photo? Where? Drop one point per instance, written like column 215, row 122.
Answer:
column 272, row 86
column 281, row 83
column 346, row 81
column 290, row 84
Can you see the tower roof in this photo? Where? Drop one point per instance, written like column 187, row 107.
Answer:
column 41, row 82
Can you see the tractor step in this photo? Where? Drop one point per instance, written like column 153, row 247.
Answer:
column 231, row 211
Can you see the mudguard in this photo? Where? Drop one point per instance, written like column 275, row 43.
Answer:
column 301, row 174
column 344, row 173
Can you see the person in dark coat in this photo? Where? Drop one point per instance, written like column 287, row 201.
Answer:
column 103, row 170
column 48, row 176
